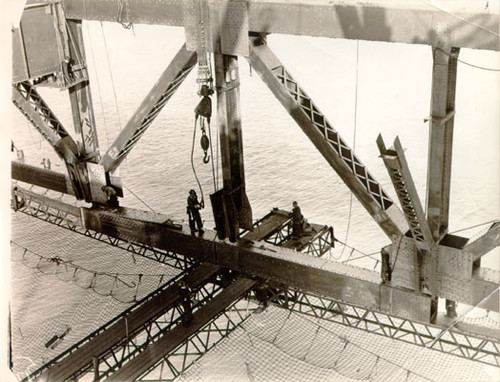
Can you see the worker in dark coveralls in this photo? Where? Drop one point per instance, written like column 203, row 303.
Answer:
column 297, row 221
column 193, row 210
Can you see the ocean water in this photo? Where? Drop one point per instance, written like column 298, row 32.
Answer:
column 391, row 96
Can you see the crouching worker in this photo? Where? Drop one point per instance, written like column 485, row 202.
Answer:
column 193, row 211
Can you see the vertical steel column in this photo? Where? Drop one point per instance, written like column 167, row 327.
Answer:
column 227, row 82
column 444, row 79
column 81, row 98
column 75, row 79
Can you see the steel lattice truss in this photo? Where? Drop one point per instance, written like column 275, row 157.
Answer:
column 462, row 344
column 148, row 333
column 69, row 218
column 473, row 347
column 331, row 135
column 146, row 122
column 103, row 328
column 178, row 361
column 34, row 108
column 318, row 245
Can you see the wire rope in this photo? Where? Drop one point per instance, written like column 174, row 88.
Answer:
column 111, row 76
column 97, row 82
column 469, row 64
column 434, row 4
column 192, row 163
column 138, row 198
column 353, row 143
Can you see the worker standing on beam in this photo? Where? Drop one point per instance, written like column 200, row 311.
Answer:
column 297, row 221
column 193, row 210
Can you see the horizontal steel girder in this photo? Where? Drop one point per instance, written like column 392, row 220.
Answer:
column 485, row 243
column 326, row 139
column 399, row 300
column 312, row 274
column 125, row 326
column 150, row 107
column 41, row 177
column 411, row 22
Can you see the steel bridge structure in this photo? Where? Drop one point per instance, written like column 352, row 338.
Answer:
column 241, row 266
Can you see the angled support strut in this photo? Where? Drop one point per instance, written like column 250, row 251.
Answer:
column 326, row 139
column 150, row 107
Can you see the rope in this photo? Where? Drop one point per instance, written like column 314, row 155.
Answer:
column 356, row 250
column 438, row 7
column 353, row 142
column 142, row 201
column 462, row 317
column 192, row 163
column 98, row 83
column 111, row 75
column 466, row 63
column 212, row 156
column 474, row 226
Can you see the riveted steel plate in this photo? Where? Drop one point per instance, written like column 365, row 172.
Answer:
column 454, row 262
column 233, row 24
column 39, row 41
column 401, row 303
column 402, row 260
column 97, row 179
column 190, row 16
column 455, row 288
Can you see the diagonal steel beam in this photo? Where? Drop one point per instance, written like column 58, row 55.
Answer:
column 33, row 107
column 153, row 103
column 126, row 325
column 326, row 139
column 399, row 172
column 157, row 350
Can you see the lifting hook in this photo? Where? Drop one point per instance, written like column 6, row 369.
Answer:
column 205, row 144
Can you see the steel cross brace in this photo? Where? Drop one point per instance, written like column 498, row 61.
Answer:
column 34, row 108
column 326, row 139
column 485, row 243
column 162, row 91
column 459, row 343
column 181, row 358
column 203, row 313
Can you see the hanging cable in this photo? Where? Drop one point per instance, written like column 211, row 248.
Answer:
column 353, row 142
column 138, row 198
column 212, row 155
column 202, row 202
column 469, row 64
column 433, row 4
column 111, row 75
column 98, row 84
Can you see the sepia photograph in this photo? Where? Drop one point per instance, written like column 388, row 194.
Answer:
column 250, row 190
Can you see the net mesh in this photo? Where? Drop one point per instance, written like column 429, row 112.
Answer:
column 48, row 299
column 278, row 345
